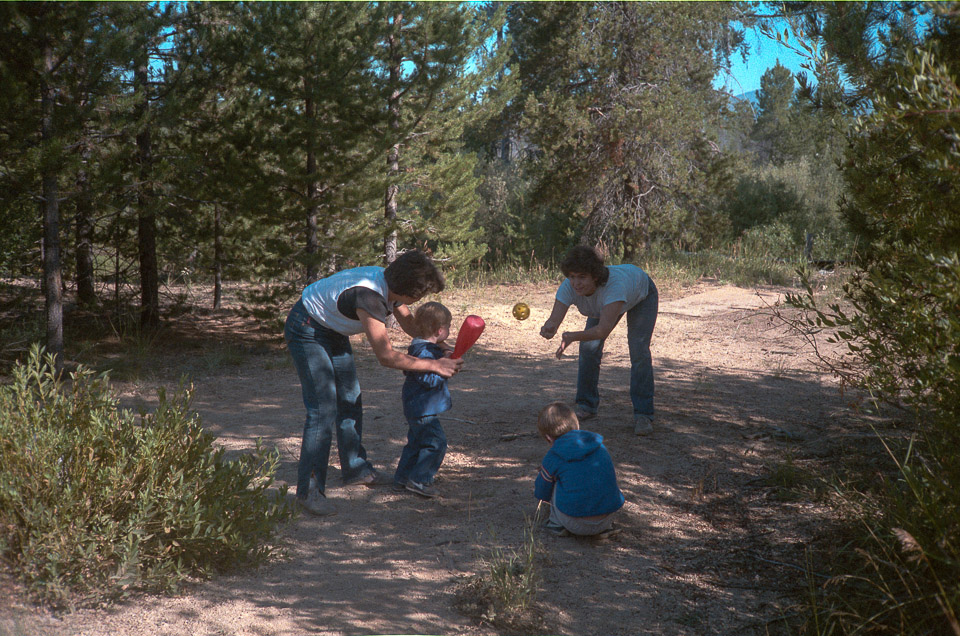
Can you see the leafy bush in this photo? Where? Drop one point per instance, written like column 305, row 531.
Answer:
column 776, row 206
column 95, row 501
column 900, row 320
column 903, row 346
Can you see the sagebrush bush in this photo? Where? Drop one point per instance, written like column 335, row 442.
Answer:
column 96, row 501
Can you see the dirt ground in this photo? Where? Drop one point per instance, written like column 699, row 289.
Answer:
column 708, row 546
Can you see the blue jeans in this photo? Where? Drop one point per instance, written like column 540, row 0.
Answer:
column 641, row 320
column 421, row 457
column 331, row 395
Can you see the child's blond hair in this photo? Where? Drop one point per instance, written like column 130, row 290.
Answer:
column 430, row 317
column 556, row 419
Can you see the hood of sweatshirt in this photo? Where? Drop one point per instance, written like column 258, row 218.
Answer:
column 575, row 445
column 417, row 345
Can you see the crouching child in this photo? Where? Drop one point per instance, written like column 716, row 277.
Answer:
column 577, row 477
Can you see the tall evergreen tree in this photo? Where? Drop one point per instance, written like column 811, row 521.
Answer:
column 212, row 183
column 774, row 131
column 55, row 59
column 437, row 71
column 617, row 102
column 315, row 120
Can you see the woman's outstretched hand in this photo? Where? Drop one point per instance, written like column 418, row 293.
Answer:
column 565, row 341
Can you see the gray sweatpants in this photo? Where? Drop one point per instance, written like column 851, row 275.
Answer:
column 580, row 525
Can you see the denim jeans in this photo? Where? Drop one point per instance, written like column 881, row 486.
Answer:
column 331, row 395
column 641, row 320
column 421, row 457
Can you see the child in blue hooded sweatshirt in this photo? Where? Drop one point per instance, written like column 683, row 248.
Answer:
column 577, row 477
column 425, row 396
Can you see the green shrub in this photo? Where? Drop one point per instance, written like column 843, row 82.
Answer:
column 902, row 330
column 900, row 321
column 505, row 595
column 774, row 208
column 95, row 501
column 772, row 241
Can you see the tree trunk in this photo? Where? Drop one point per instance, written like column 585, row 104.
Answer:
column 117, row 239
column 313, row 242
column 52, row 274
column 86, row 294
column 393, row 157
column 217, row 259
column 146, row 214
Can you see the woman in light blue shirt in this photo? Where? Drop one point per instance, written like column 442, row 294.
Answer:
column 604, row 294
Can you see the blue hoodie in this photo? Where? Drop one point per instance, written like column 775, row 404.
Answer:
column 424, row 393
column 580, row 468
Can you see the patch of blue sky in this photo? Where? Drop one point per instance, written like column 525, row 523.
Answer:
column 763, row 54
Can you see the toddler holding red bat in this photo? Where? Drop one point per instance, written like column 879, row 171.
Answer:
column 425, row 396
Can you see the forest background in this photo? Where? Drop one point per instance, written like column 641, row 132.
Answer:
column 274, row 143
column 174, row 140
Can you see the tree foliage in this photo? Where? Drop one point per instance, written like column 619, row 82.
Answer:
column 202, row 138
column 617, row 106
column 900, row 321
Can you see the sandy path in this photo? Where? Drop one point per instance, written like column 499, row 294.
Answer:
column 704, row 543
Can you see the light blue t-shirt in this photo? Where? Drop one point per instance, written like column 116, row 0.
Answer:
column 628, row 283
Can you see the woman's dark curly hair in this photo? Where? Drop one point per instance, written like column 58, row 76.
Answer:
column 583, row 259
column 413, row 274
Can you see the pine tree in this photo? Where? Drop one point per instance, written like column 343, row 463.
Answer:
column 774, row 132
column 617, row 103
column 56, row 60
column 314, row 122
column 437, row 73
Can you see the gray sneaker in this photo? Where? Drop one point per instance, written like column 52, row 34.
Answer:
column 583, row 414
column 317, row 504
column 642, row 424
column 371, row 479
column 606, row 535
column 421, row 489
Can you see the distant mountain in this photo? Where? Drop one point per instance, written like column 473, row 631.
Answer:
column 751, row 97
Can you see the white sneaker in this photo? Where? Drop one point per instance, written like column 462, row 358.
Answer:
column 642, row 424
column 317, row 504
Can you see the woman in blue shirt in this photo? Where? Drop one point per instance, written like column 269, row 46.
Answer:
column 604, row 295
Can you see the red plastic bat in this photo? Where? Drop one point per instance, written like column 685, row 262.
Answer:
column 470, row 330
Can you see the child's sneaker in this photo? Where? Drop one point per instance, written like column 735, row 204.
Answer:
column 556, row 529
column 606, row 534
column 399, row 485
column 421, row 489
